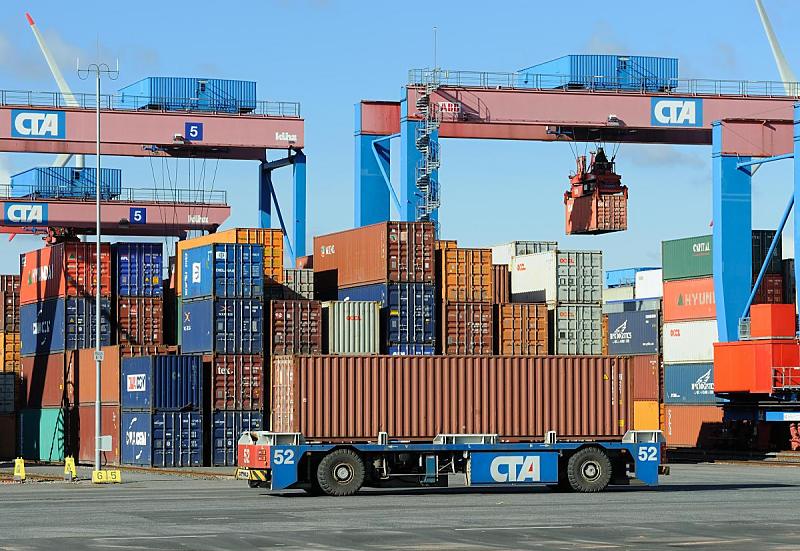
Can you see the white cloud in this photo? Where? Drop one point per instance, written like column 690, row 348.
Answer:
column 663, row 156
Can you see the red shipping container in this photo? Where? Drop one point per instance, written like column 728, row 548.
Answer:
column 501, row 279
column 400, row 252
column 8, row 436
column 295, row 327
column 109, row 426
column 770, row 291
column 692, row 426
column 749, row 366
column 467, row 328
column 109, row 375
column 140, row 321
column 689, row 299
column 646, row 377
column 66, row 269
column 49, row 381
column 341, row 398
column 237, row 382
column 596, row 213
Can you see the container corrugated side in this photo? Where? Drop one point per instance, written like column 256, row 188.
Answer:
column 61, row 324
column 466, row 275
column 109, row 375
column 295, row 327
column 139, row 321
column 47, row 434
column 298, row 284
column 227, row 427
column 522, row 329
column 623, row 292
column 417, row 397
column 692, row 426
column 501, row 281
column 66, row 182
column 636, row 305
column 687, row 258
column 10, row 353
column 351, row 327
column 502, row 254
column 223, row 325
column 162, row 439
column 577, row 329
column 138, row 268
column 9, row 392
column 238, row 382
column 689, row 299
column 189, row 94
column 689, row 341
column 65, row 270
column 574, row 277
column 9, row 312
column 467, row 328
column 224, row 270
column 165, row 383
column 762, row 239
column 646, row 377
column 110, row 418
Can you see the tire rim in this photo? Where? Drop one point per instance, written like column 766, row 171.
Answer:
column 343, row 473
column 591, row 470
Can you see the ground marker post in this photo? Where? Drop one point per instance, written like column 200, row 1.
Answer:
column 70, row 473
column 19, row 470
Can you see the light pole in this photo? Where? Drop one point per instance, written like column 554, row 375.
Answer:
column 99, row 69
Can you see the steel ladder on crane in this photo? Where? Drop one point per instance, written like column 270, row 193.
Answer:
column 426, row 180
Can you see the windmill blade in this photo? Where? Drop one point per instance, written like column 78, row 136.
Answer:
column 787, row 75
column 62, row 160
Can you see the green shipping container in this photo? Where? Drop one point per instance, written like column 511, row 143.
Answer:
column 43, row 434
column 687, row 258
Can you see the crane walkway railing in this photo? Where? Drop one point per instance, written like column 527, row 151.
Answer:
column 127, row 195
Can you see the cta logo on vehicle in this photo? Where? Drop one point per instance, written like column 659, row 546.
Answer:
column 515, row 468
column 25, row 214
column 137, row 383
column 32, row 124
column 676, row 112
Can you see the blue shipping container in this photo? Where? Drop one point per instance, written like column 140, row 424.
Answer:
column 65, row 181
column 632, row 333
column 162, row 439
column 689, row 384
column 605, row 72
column 59, row 324
column 138, row 268
column 624, row 276
column 223, row 270
column 222, row 325
column 163, row 383
column 189, row 94
column 409, row 310
column 411, row 350
column 228, row 427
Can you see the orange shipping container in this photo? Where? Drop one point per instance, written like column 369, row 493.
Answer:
column 9, row 312
column 692, row 426
column 689, row 299
column 596, row 213
column 521, row 329
column 10, row 360
column 109, row 375
column 65, row 270
column 341, row 398
column 467, row 275
column 109, row 425
column 646, row 415
column 501, row 281
column 467, row 328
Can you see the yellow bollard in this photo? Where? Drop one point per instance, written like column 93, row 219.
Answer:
column 111, row 476
column 19, row 469
column 70, row 473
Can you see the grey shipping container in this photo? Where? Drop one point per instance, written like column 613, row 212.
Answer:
column 298, row 284
column 502, row 254
column 565, row 277
column 577, row 330
column 632, row 333
column 9, row 385
column 351, row 326
column 636, row 305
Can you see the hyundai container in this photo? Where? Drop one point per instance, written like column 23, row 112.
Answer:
column 624, row 277
column 9, row 392
column 49, row 380
column 223, row 270
column 419, row 397
column 577, row 330
column 649, row 284
column 163, row 383
column 8, row 436
column 138, row 321
column 689, row 384
column 467, row 328
column 271, row 240
column 689, row 341
column 623, row 292
column 574, row 277
column 227, row 427
column 762, row 239
column 138, row 268
column 632, row 333
column 596, row 213
column 46, row 434
column 162, row 439
column 65, row 270
column 693, row 426
column 65, row 182
column 689, row 299
column 522, row 329
column 647, row 375
column 60, row 324
column 110, row 417
column 189, row 94
column 687, row 258
column 238, row 382
column 9, row 312
column 466, row 275
column 351, row 327
column 298, row 285
column 501, row 280
column 222, row 325
column 502, row 254
column 636, row 305
column 394, row 252
column 295, row 327
column 603, row 72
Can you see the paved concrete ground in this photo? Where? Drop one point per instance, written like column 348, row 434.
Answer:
column 698, row 507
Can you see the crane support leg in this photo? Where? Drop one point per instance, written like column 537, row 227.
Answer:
column 264, row 196
column 410, row 158
column 299, row 187
column 371, row 191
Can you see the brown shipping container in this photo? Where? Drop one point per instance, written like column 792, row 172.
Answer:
column 295, row 327
column 49, row 381
column 237, row 382
column 8, row 436
column 340, row 398
column 9, row 312
column 501, row 283
column 595, row 214
column 604, row 336
column 140, row 321
column 128, row 351
column 10, row 348
column 109, row 375
column 646, row 385
column 304, row 262
column 522, row 329
column 692, row 426
column 9, row 283
column 401, row 252
column 770, row 291
column 66, row 269
column 466, row 275
column 467, row 328
column 109, row 426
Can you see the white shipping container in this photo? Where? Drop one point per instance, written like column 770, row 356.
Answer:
column 502, row 254
column 618, row 293
column 689, row 341
column 649, row 284
column 558, row 277
column 351, row 326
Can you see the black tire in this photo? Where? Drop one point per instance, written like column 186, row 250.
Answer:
column 340, row 473
column 589, row 471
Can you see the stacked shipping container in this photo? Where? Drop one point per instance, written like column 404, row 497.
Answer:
column 466, row 295
column 10, row 363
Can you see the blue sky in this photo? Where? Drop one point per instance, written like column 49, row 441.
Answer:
column 330, row 54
